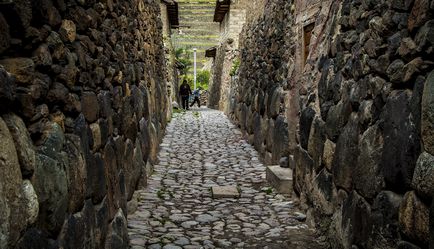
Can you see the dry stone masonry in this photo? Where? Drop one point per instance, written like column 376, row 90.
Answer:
column 83, row 107
column 344, row 89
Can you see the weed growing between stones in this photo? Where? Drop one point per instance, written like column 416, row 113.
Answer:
column 161, row 193
column 178, row 111
column 196, row 114
column 267, row 190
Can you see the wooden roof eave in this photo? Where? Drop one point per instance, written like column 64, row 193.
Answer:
column 172, row 13
column 222, row 7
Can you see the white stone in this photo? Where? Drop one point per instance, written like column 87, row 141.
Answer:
column 225, row 192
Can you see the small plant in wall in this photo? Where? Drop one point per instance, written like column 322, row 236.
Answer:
column 235, row 66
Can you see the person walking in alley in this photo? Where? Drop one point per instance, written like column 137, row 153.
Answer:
column 196, row 95
column 184, row 92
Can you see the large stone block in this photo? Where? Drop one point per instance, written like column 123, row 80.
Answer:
column 431, row 225
column 46, row 13
column 34, row 238
column 368, row 177
column 22, row 68
column 357, row 219
column 78, row 231
column 317, row 138
column 324, row 193
column 98, row 182
column 306, row 119
column 5, row 38
column 112, row 180
column 23, row 144
column 387, row 204
column 346, row 154
column 274, row 103
column 68, row 31
column 428, row 114
column 117, row 236
column 137, row 170
column 423, row 177
column 280, row 178
column 42, row 56
column 401, row 141
column 30, row 199
column 51, row 185
column 7, row 88
column 105, row 103
column 420, row 13
column 11, row 212
column 385, row 210
column 328, row 154
column 257, row 132
column 76, row 172
column 337, row 118
column 303, row 170
column 96, row 135
column 129, row 168
column 414, row 218
column 101, row 221
column 72, row 234
column 280, row 140
column 90, row 106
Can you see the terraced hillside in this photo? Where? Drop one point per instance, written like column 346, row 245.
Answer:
column 197, row 29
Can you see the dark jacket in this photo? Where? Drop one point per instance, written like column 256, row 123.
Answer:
column 184, row 90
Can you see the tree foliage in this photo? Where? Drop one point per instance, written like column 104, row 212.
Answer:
column 202, row 79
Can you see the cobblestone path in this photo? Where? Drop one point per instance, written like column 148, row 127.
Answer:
column 202, row 149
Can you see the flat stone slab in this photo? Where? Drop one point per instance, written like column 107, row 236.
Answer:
column 280, row 178
column 225, row 192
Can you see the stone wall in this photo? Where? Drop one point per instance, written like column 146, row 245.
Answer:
column 172, row 73
column 358, row 113
column 226, row 54
column 220, row 82
column 255, row 10
column 83, row 107
column 258, row 92
column 233, row 22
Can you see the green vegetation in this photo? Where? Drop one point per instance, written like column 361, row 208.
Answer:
column 198, row 43
column 202, row 79
column 268, row 190
column 184, row 58
column 196, row 114
column 235, row 66
column 196, row 1
column 161, row 193
column 179, row 111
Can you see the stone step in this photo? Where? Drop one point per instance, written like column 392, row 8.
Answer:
column 225, row 192
column 280, row 178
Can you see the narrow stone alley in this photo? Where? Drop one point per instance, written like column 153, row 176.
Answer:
column 203, row 149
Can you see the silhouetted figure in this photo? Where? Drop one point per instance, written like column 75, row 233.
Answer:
column 184, row 92
column 196, row 95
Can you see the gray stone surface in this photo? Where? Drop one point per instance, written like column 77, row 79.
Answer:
column 423, row 177
column 428, row 114
column 177, row 208
column 11, row 220
column 414, row 218
column 23, row 143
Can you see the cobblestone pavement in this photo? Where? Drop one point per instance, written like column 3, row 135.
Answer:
column 202, row 149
